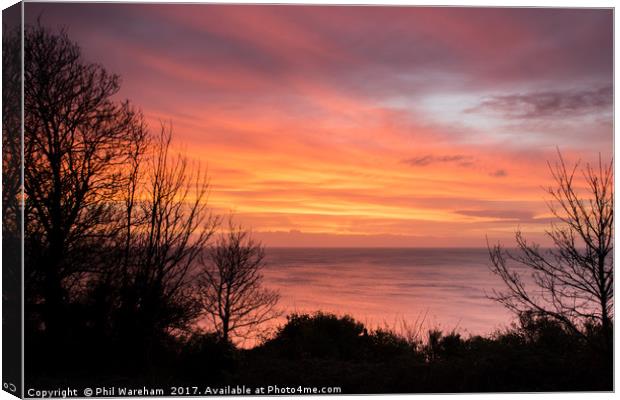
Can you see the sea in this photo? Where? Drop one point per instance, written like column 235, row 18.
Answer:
column 410, row 289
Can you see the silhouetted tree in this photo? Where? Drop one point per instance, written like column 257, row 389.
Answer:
column 167, row 226
column 11, row 131
column 573, row 281
column 77, row 141
column 231, row 285
column 115, row 219
column 11, row 195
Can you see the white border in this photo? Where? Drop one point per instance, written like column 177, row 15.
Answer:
column 471, row 3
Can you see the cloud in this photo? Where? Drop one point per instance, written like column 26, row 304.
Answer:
column 549, row 103
column 305, row 114
column 500, row 173
column 503, row 214
column 422, row 161
column 373, row 52
column 507, row 216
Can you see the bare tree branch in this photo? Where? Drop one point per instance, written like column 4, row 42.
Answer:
column 573, row 281
column 231, row 285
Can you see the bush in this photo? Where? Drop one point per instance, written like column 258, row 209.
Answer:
column 319, row 335
column 327, row 336
column 383, row 345
column 206, row 357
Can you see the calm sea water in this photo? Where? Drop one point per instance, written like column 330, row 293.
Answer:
column 445, row 288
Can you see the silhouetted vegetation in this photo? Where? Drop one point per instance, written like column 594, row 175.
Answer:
column 114, row 219
column 538, row 354
column 231, row 287
column 571, row 283
column 11, row 197
column 123, row 268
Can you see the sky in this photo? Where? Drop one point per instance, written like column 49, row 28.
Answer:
column 365, row 126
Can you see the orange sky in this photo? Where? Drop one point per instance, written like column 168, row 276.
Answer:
column 364, row 126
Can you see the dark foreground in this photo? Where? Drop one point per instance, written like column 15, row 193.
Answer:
column 325, row 351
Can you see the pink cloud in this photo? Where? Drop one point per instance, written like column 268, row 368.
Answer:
column 313, row 118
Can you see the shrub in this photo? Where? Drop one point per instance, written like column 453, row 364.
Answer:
column 320, row 335
column 206, row 357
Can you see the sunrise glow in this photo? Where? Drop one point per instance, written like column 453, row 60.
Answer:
column 365, row 126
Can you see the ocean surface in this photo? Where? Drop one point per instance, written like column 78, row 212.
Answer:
column 427, row 288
